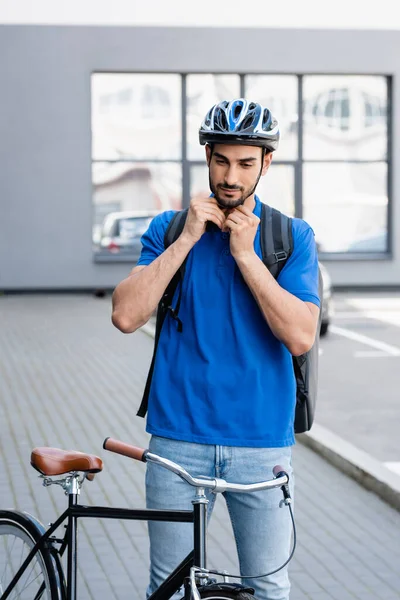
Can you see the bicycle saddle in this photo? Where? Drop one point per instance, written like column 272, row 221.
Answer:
column 53, row 461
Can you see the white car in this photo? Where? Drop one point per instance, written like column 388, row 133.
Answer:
column 121, row 232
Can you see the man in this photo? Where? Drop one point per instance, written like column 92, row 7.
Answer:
column 223, row 391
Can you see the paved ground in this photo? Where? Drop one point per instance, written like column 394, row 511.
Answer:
column 360, row 373
column 68, row 379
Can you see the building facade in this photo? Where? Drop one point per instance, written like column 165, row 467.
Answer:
column 98, row 132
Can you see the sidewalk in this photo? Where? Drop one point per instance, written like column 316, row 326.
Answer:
column 69, row 379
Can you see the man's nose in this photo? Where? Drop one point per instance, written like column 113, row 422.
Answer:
column 231, row 176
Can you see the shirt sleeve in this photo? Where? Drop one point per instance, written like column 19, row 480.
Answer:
column 153, row 239
column 299, row 276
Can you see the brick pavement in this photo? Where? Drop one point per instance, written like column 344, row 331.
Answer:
column 69, row 379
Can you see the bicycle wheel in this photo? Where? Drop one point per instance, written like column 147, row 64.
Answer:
column 40, row 580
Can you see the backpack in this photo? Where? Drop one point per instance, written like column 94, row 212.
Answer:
column 276, row 247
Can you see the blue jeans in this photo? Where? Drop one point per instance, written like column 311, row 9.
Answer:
column 261, row 528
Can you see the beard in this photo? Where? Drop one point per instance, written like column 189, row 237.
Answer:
column 226, row 203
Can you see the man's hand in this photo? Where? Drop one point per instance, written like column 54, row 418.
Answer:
column 242, row 224
column 201, row 210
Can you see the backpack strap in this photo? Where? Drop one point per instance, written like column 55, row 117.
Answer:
column 172, row 233
column 175, row 227
column 275, row 238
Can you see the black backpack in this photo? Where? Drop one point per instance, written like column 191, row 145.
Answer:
column 276, row 247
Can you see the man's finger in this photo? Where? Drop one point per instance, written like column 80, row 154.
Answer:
column 246, row 211
column 235, row 218
column 207, row 203
column 215, row 219
column 218, row 214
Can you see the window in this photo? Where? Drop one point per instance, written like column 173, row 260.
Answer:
column 333, row 165
column 345, row 117
column 136, row 117
column 346, row 204
column 137, row 157
column 345, row 169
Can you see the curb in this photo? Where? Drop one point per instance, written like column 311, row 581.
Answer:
column 357, row 464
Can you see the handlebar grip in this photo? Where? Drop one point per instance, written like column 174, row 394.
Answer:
column 125, row 449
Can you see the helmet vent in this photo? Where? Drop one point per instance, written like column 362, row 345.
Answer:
column 223, row 123
column 266, row 117
column 247, row 122
column 238, row 110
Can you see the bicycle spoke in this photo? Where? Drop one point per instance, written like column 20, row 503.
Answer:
column 8, row 553
column 28, row 583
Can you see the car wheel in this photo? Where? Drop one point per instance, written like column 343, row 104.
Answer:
column 324, row 328
column 99, row 293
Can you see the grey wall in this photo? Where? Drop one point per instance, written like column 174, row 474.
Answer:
column 45, row 139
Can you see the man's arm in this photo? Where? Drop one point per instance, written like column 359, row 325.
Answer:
column 136, row 297
column 293, row 321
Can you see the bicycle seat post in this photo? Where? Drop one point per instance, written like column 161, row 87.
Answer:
column 73, row 491
column 200, row 527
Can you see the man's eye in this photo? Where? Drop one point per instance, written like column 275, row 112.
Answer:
column 246, row 166
column 221, row 162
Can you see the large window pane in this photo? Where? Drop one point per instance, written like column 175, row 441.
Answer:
column 136, row 116
column 203, row 91
column 345, row 117
column 275, row 188
column 279, row 94
column 133, row 192
column 346, row 204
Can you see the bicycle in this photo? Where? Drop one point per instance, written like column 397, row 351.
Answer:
column 30, row 555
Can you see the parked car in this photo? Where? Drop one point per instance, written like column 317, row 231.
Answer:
column 327, row 300
column 374, row 243
column 121, row 232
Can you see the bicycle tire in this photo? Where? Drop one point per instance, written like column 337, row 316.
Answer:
column 223, row 595
column 19, row 532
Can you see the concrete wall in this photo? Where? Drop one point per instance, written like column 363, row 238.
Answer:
column 45, row 138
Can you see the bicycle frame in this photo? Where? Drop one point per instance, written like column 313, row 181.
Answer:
column 197, row 516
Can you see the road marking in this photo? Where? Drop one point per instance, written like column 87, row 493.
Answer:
column 371, row 354
column 393, row 466
column 350, row 315
column 364, row 339
column 384, row 316
column 375, row 302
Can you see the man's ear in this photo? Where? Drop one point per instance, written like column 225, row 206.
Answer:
column 267, row 162
column 208, row 154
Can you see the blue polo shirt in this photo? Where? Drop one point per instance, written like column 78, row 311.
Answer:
column 226, row 379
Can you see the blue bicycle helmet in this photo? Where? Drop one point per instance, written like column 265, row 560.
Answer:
column 240, row 122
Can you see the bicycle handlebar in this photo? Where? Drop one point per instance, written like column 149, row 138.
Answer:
column 215, row 484
column 124, row 449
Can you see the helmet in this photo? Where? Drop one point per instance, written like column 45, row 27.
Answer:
column 240, row 122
